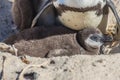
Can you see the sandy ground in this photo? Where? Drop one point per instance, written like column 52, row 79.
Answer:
column 77, row 67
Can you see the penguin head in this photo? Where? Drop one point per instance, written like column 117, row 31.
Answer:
column 91, row 39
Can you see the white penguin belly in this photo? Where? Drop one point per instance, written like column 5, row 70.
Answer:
column 80, row 20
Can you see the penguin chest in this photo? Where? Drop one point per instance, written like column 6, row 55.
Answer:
column 80, row 20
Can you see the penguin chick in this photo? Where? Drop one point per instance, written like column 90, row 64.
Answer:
column 37, row 33
column 91, row 39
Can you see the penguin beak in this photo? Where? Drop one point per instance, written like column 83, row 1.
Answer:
column 107, row 38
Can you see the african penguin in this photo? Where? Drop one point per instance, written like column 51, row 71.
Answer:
column 45, row 12
column 86, row 41
column 78, row 14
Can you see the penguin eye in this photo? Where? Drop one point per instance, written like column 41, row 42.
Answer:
column 95, row 38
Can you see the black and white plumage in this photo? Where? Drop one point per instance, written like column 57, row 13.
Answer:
column 74, row 14
column 78, row 14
